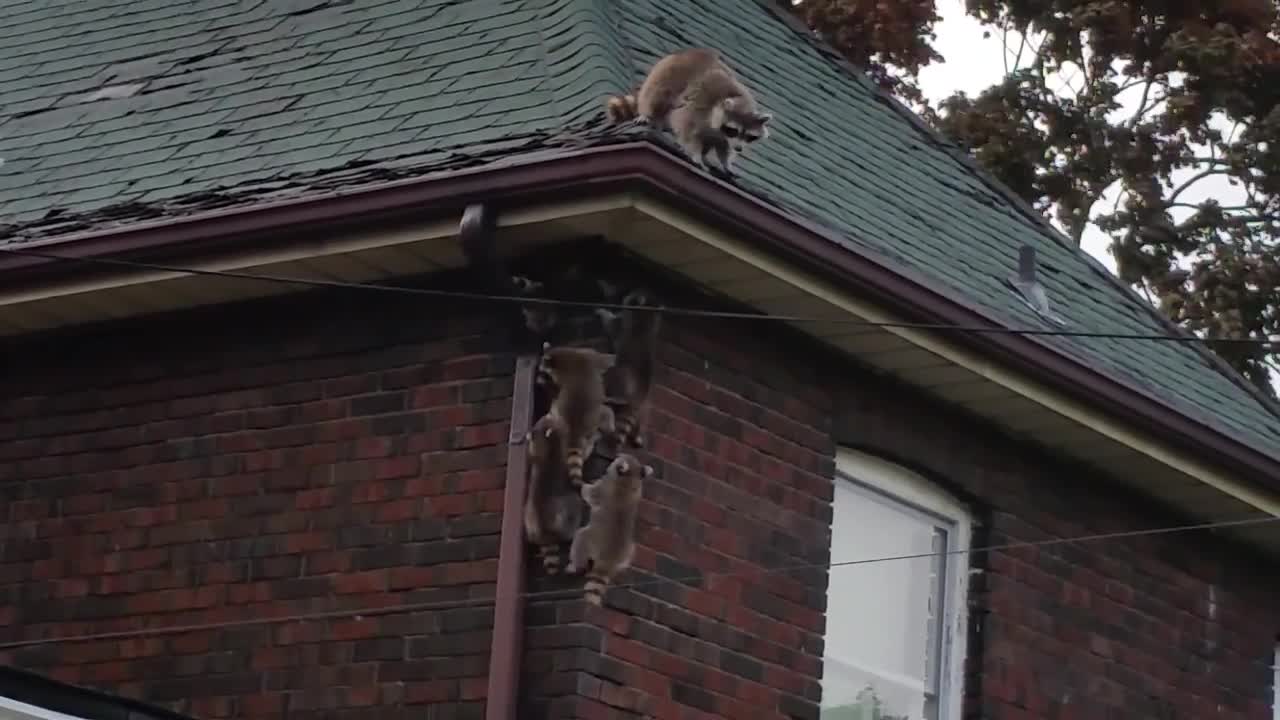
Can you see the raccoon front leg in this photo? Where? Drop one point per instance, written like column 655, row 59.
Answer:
column 608, row 424
column 628, row 426
column 609, row 321
column 726, row 157
column 697, row 152
column 579, row 552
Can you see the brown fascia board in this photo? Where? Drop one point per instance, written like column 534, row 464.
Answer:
column 643, row 164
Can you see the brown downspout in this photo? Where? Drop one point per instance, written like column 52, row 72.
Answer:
column 508, row 604
column 475, row 233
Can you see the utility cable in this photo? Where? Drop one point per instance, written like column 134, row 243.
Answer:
column 665, row 310
column 575, row 592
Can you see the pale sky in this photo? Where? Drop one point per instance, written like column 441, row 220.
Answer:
column 972, row 64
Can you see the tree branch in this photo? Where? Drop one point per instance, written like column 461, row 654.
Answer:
column 1004, row 46
column 1142, row 105
column 1192, row 181
column 1131, row 84
column 1232, row 135
column 1229, row 208
column 1192, row 223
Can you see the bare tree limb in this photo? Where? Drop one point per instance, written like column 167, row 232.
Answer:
column 1142, row 105
column 1192, row 223
column 1227, row 209
column 1192, row 181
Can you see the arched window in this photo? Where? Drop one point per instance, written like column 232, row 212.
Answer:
column 894, row 645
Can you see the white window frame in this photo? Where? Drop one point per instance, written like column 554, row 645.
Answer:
column 1275, row 684
column 900, row 485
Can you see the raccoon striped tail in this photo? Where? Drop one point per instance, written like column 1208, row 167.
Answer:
column 543, row 377
column 573, row 462
column 550, row 555
column 594, row 588
column 622, row 108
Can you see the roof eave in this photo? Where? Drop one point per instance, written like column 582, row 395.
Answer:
column 810, row 246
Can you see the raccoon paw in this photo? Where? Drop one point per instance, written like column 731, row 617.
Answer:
column 719, row 171
column 641, row 121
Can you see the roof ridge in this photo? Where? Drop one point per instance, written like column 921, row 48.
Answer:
column 970, row 164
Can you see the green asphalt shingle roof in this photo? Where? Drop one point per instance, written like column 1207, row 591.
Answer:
column 208, row 103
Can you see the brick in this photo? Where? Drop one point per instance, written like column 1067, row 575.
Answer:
column 364, row 582
column 435, row 691
column 381, row 649
column 398, row 467
column 377, row 404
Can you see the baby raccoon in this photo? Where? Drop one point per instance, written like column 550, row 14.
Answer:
column 699, row 97
column 605, row 546
column 578, row 376
column 628, row 382
column 552, row 510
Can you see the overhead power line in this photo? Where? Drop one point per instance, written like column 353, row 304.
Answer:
column 665, row 310
column 568, row 593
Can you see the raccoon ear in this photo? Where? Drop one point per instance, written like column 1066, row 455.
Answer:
column 648, row 471
column 623, row 467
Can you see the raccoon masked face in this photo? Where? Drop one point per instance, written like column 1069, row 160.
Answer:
column 742, row 127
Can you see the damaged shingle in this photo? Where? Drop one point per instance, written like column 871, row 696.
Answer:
column 113, row 92
column 317, row 7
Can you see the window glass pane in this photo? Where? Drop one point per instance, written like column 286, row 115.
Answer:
column 884, row 619
column 1275, row 686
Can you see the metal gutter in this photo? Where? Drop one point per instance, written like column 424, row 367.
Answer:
column 506, row 648
column 640, row 163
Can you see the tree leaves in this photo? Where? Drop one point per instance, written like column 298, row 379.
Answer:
column 1148, row 85
column 878, row 35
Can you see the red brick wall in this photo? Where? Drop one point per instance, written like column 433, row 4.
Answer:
column 744, row 433
column 286, row 457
